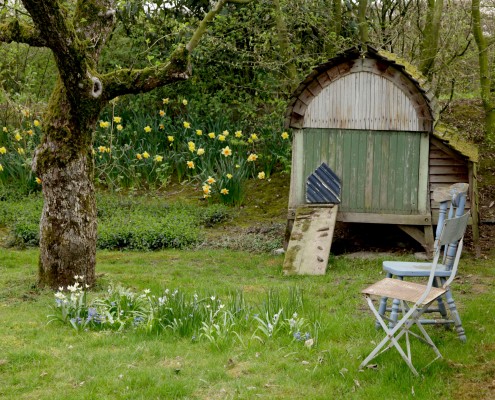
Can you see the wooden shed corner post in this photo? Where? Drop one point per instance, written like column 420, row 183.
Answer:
column 296, row 192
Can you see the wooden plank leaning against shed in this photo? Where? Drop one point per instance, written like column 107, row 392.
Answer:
column 310, row 240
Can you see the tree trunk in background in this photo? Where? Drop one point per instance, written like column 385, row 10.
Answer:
column 362, row 22
column 431, row 35
column 289, row 69
column 64, row 162
column 486, row 80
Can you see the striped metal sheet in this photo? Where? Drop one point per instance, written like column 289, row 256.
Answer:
column 323, row 186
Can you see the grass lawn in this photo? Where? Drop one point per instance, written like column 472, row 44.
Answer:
column 40, row 361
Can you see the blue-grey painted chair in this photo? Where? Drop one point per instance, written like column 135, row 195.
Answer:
column 415, row 298
column 452, row 201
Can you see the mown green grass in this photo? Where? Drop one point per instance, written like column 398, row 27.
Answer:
column 39, row 361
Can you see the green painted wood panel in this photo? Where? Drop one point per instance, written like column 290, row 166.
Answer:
column 379, row 169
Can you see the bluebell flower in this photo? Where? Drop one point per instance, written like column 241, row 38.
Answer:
column 307, row 336
column 297, row 336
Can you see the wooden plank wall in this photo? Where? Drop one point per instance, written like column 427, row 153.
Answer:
column 362, row 100
column 379, row 169
column 446, row 168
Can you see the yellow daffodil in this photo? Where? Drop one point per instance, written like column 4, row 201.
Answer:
column 238, row 134
column 139, row 156
column 3, row 150
column 261, row 175
column 162, row 113
column 18, row 136
column 224, row 191
column 165, row 101
column 30, row 132
column 184, row 102
column 170, row 138
column 285, row 135
column 229, row 176
column 254, row 136
column 187, row 125
column 119, row 127
column 102, row 149
column 38, row 180
column 252, row 157
column 104, row 124
column 147, row 129
column 221, row 138
column 192, row 147
column 25, row 112
column 206, row 189
column 190, row 164
column 20, row 150
column 5, row 129
column 200, row 151
column 93, row 151
column 226, row 151
column 1, row 168
column 117, row 120
column 199, row 132
column 158, row 158
column 211, row 135
column 36, row 123
column 211, row 180
column 225, row 133
column 237, row 166
column 146, row 155
column 161, row 127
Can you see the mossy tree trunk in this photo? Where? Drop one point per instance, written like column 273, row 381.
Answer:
column 431, row 37
column 76, row 34
column 486, row 78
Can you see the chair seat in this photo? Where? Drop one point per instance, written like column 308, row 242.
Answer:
column 405, row 268
column 402, row 290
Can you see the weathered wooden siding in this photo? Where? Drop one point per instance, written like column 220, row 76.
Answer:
column 379, row 169
column 445, row 169
column 363, row 100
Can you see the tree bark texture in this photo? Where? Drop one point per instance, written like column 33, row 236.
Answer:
column 486, row 80
column 431, row 36
column 64, row 160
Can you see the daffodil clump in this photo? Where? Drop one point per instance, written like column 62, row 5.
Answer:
column 172, row 142
column 17, row 145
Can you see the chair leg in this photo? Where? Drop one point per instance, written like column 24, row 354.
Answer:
column 382, row 309
column 455, row 316
column 441, row 306
column 394, row 314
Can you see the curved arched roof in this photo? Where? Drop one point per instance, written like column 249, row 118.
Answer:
column 359, row 89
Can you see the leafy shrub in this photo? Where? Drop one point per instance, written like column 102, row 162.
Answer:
column 143, row 231
column 123, row 222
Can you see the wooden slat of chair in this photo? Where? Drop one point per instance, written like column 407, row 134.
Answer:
column 402, row 290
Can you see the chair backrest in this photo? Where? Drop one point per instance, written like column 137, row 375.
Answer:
column 453, row 200
column 451, row 239
column 452, row 231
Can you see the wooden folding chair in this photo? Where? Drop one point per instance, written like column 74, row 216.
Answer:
column 415, row 298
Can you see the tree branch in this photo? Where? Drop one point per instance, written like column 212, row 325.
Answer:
column 18, row 31
column 130, row 81
column 201, row 29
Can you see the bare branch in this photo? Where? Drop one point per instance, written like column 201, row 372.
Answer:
column 18, row 31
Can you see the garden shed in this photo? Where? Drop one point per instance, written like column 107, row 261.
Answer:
column 372, row 119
